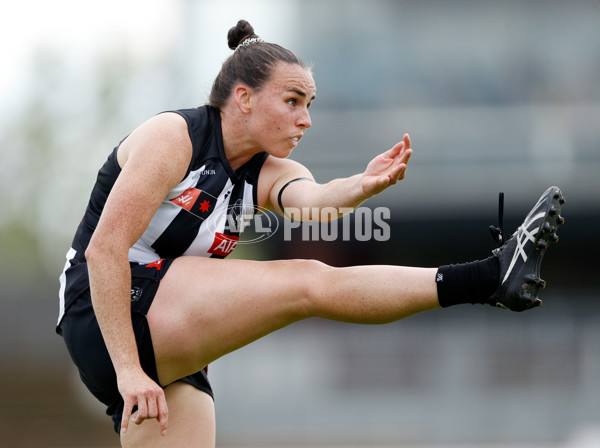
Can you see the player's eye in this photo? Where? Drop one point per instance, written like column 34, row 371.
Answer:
column 292, row 101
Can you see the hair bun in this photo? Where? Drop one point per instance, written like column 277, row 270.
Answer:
column 239, row 33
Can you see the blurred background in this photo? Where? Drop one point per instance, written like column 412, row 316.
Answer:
column 497, row 96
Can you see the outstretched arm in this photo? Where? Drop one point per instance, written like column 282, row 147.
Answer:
column 344, row 194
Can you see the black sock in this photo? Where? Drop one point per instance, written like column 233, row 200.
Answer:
column 467, row 282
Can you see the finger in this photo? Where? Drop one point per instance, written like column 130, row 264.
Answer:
column 163, row 413
column 152, row 408
column 127, row 408
column 405, row 145
column 401, row 174
column 395, row 150
column 405, row 157
column 398, row 173
column 382, row 183
column 142, row 412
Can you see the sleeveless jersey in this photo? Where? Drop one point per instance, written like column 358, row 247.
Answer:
column 201, row 216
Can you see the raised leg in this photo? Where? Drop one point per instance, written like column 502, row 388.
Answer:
column 206, row 308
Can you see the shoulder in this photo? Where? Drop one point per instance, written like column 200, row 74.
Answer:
column 200, row 120
column 167, row 132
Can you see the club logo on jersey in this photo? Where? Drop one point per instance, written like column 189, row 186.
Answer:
column 194, row 201
column 187, row 199
column 136, row 293
column 223, row 244
column 204, row 206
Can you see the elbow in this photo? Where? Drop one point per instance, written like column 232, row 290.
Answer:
column 99, row 251
column 92, row 252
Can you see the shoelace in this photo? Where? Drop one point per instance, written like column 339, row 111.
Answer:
column 498, row 232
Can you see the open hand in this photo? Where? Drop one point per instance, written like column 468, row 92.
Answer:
column 388, row 168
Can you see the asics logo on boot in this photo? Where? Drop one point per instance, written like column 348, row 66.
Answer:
column 523, row 235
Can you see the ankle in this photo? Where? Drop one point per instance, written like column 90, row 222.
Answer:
column 472, row 282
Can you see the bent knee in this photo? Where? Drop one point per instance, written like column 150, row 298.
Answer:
column 311, row 282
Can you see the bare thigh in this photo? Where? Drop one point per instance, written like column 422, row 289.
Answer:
column 205, row 308
column 191, row 421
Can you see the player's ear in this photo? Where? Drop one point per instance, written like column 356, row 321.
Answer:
column 243, row 98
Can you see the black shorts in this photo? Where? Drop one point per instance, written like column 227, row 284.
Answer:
column 87, row 349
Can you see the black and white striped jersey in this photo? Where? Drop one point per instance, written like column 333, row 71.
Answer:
column 198, row 216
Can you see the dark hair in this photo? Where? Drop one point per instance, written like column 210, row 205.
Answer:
column 251, row 64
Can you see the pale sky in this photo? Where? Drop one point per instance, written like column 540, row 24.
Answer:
column 80, row 34
column 80, row 30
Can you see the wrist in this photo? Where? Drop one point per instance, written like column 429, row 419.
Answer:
column 127, row 368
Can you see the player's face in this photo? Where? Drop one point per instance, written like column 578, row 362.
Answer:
column 280, row 115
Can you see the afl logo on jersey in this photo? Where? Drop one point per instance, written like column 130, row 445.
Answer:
column 223, row 245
